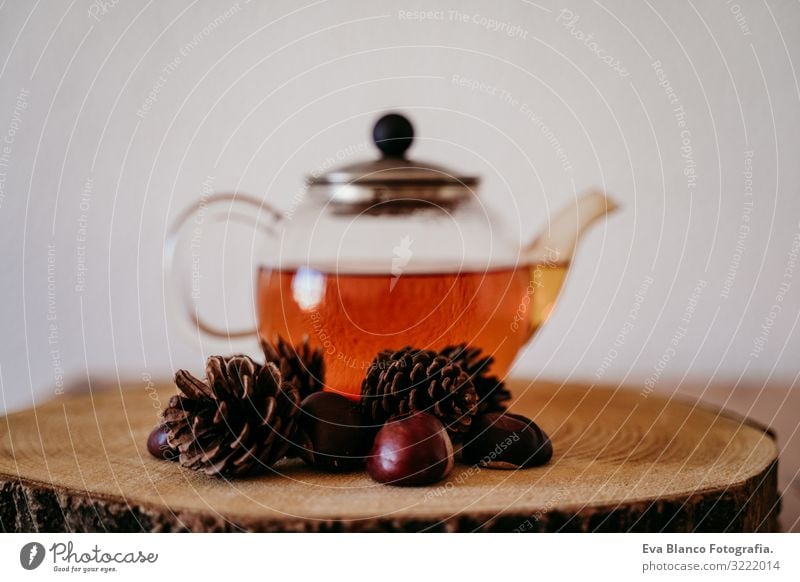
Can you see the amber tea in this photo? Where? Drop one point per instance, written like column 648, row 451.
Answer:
column 354, row 316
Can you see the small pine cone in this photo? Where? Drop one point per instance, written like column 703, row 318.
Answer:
column 410, row 380
column 492, row 392
column 300, row 364
column 242, row 417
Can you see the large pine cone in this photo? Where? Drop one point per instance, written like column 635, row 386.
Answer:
column 492, row 392
column 410, row 380
column 240, row 419
column 302, row 364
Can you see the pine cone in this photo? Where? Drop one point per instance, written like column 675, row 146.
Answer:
column 300, row 364
column 241, row 418
column 492, row 392
column 409, row 380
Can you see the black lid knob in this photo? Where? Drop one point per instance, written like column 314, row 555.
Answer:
column 393, row 135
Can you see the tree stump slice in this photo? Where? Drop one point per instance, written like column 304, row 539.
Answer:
column 624, row 461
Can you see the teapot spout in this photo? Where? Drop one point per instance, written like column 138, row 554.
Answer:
column 558, row 243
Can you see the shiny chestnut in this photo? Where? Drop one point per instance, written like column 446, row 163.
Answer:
column 414, row 450
column 332, row 435
column 158, row 446
column 501, row 440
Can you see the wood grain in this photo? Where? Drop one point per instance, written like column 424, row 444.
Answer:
column 624, row 461
column 774, row 404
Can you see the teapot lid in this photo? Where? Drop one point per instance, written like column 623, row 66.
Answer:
column 392, row 177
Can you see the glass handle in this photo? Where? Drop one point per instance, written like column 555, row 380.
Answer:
column 216, row 208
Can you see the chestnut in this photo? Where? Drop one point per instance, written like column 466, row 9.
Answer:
column 413, row 450
column 501, row 440
column 158, row 446
column 331, row 434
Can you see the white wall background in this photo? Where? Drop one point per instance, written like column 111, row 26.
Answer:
column 266, row 94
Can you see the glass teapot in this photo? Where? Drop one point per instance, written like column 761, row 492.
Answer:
column 396, row 252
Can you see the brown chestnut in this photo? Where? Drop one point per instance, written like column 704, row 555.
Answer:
column 414, row 450
column 501, row 440
column 158, row 446
column 331, row 434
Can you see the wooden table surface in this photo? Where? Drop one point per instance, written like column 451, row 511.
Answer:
column 776, row 406
column 623, row 461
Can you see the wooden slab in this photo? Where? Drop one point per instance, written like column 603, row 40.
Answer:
column 623, row 461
